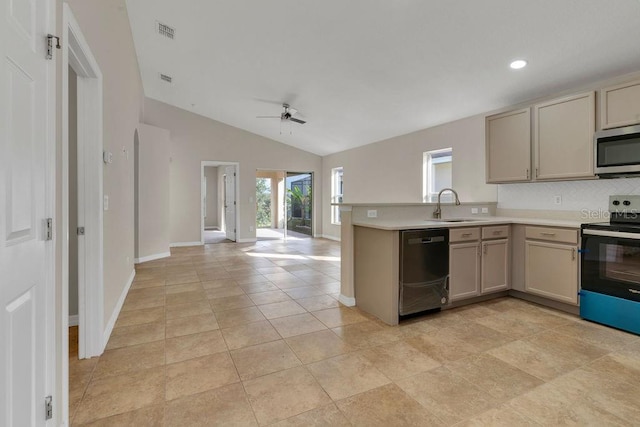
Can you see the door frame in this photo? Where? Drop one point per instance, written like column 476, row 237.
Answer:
column 313, row 210
column 216, row 163
column 77, row 54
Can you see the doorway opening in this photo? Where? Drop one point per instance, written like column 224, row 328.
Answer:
column 219, row 209
column 284, row 205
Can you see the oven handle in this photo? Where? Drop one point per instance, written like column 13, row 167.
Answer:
column 618, row 234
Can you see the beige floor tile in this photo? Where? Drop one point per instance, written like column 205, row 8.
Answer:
column 479, row 336
column 147, row 416
column 289, row 283
column 239, row 316
column 180, row 278
column 194, row 345
column 510, row 326
column 254, row 288
column 229, row 291
column 152, row 283
column 123, row 393
column 250, row 334
column 495, row 377
column 346, row 375
column 128, row 359
column 263, row 359
column 250, row 279
column 328, row 416
column 297, row 325
column 567, row 347
column 138, row 303
column 188, row 309
column 136, row 334
column 533, row 314
column 222, row 406
column 619, row 366
column 503, row 416
column 191, row 325
column 137, row 317
column 599, row 335
column 318, row 346
column 440, row 346
column 304, row 292
column 474, row 311
column 321, row 302
column 210, row 277
column 284, row 394
column 449, row 397
column 334, row 317
column 269, row 297
column 187, row 287
column 185, row 297
column 230, row 303
column 281, row 309
column 386, row 406
column 399, row 360
column 198, row 375
column 221, row 283
column 146, row 292
column 366, row 334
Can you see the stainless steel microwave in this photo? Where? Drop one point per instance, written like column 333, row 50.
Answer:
column 617, row 151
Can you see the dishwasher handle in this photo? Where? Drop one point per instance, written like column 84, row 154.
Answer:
column 426, row 240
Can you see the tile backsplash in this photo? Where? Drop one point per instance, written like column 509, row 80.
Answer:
column 574, row 195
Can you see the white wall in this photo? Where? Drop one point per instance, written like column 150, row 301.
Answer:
column 194, row 139
column 153, row 198
column 211, row 173
column 390, row 171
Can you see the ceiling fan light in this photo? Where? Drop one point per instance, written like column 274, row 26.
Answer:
column 518, row 64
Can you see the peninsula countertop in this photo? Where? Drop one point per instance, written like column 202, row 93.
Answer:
column 413, row 224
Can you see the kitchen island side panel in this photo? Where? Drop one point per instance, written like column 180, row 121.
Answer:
column 376, row 272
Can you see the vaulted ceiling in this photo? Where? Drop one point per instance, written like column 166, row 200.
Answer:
column 361, row 71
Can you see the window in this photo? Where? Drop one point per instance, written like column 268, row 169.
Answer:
column 336, row 194
column 436, row 173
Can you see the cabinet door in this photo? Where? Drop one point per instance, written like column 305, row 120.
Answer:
column 620, row 105
column 563, row 137
column 495, row 265
column 551, row 271
column 508, row 146
column 464, row 270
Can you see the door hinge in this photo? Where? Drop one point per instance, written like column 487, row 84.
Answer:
column 49, row 231
column 234, row 230
column 50, row 45
column 48, row 408
column 234, row 203
column 80, row 231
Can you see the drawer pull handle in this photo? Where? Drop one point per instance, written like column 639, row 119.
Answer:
column 484, row 248
column 466, row 234
column 497, row 232
column 547, row 234
column 573, row 254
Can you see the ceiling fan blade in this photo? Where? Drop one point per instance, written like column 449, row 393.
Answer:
column 293, row 119
column 292, row 111
column 268, row 117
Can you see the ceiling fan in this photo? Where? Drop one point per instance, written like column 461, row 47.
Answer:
column 286, row 115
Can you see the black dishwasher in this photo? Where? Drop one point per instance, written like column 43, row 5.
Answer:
column 424, row 270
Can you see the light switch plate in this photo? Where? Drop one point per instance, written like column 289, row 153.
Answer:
column 106, row 202
column 372, row 213
column 474, row 210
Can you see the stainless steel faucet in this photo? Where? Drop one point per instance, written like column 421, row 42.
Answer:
column 438, row 212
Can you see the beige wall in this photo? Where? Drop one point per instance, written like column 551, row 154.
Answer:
column 73, row 193
column 152, row 191
column 211, row 173
column 390, row 171
column 105, row 25
column 195, row 138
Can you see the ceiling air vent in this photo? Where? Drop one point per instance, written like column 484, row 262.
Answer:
column 166, row 78
column 166, row 31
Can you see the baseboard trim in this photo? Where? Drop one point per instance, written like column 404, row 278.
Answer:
column 348, row 301
column 182, row 244
column 152, row 257
column 116, row 312
column 249, row 240
column 74, row 320
column 330, row 237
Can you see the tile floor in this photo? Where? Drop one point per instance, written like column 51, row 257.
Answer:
column 253, row 334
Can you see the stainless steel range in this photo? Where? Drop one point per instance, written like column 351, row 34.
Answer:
column 611, row 267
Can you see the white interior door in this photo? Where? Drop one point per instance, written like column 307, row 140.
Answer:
column 25, row 255
column 230, row 202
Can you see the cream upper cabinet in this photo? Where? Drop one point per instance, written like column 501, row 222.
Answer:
column 495, row 265
column 563, row 138
column 551, row 268
column 464, row 270
column 508, row 146
column 620, row 105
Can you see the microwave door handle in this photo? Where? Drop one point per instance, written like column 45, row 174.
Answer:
column 615, row 234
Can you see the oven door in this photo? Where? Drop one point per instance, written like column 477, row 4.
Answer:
column 611, row 263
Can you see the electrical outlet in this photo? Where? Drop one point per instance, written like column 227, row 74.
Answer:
column 557, row 200
column 474, row 211
column 251, row 228
column 372, row 213
column 250, row 199
column 106, row 202
column 485, row 210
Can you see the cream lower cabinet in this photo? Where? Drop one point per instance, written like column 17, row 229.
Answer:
column 464, row 270
column 551, row 270
column 495, row 266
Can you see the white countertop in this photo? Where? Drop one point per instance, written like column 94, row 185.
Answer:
column 390, row 224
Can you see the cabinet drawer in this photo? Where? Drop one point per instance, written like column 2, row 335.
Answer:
column 552, row 234
column 495, row 232
column 464, row 234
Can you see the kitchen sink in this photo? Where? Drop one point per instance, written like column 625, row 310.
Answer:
column 454, row 220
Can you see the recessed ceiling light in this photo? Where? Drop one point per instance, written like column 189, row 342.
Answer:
column 518, row 63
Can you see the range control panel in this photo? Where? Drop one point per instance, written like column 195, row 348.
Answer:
column 625, row 204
